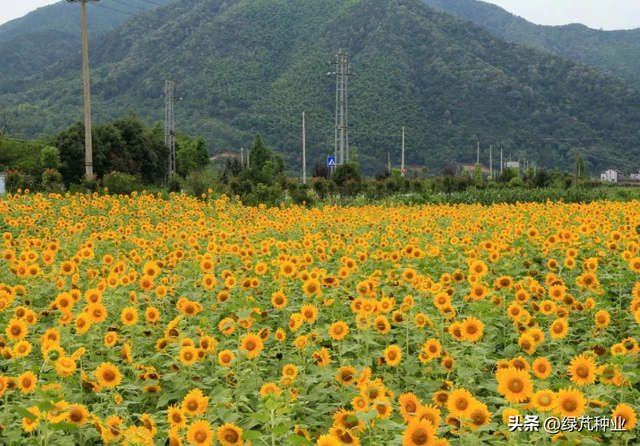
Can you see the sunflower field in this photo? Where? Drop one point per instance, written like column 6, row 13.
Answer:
column 168, row 320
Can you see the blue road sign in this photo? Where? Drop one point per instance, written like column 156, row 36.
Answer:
column 331, row 161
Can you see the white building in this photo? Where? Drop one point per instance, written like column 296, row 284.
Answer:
column 635, row 176
column 2, row 183
column 512, row 164
column 610, row 175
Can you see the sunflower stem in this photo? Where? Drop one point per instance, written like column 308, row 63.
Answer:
column 273, row 426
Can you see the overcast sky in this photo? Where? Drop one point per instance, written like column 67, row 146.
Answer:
column 607, row 14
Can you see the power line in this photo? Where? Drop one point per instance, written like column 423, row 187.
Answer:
column 153, row 3
column 132, row 6
column 137, row 16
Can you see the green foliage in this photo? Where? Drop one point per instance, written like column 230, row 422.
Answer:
column 52, row 181
column 488, row 197
column 16, row 180
column 299, row 193
column 50, row 158
column 320, row 186
column 192, row 157
column 199, row 183
column 125, row 145
column 119, row 183
column 21, row 155
column 477, row 173
column 174, row 183
column 259, row 182
column 348, row 179
column 251, row 69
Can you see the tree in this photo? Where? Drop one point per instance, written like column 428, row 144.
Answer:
column 260, row 182
column 259, row 154
column 186, row 159
column 477, row 174
column 71, row 146
column 232, row 168
column 50, row 158
column 348, row 179
column 202, row 154
column 320, row 170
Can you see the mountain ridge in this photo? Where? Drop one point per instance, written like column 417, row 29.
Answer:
column 48, row 34
column 247, row 66
column 616, row 52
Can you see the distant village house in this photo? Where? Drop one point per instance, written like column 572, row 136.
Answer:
column 611, row 175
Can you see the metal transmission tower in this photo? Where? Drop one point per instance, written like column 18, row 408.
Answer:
column 342, row 73
column 88, row 150
column 169, row 125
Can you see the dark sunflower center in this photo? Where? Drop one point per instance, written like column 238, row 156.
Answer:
column 419, row 437
column 570, row 405
column 582, row 371
column 231, row 436
column 515, row 385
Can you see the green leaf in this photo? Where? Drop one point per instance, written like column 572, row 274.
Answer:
column 251, row 435
column 297, row 439
column 367, row 416
column 63, row 426
column 24, row 413
column 46, row 406
column 279, row 430
column 262, row 417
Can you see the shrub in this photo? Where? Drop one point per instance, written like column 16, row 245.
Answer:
column 16, row 180
column 52, row 181
column 119, row 183
column 50, row 158
column 174, row 184
column 200, row 182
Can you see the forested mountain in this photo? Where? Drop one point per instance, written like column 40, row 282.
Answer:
column 616, row 52
column 51, row 33
column 247, row 66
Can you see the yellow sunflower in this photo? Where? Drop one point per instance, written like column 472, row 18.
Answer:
column 419, row 433
column 582, row 370
column 570, row 402
column 108, row 375
column 251, row 345
column 230, row 435
column 514, row 384
column 392, row 355
column 200, row 433
column 624, row 417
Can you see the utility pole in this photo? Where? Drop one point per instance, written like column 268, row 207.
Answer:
column 501, row 163
column 389, row 162
column 169, row 125
column 491, row 162
column 242, row 156
column 342, row 73
column 304, row 150
column 403, row 169
column 478, row 155
column 88, row 150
